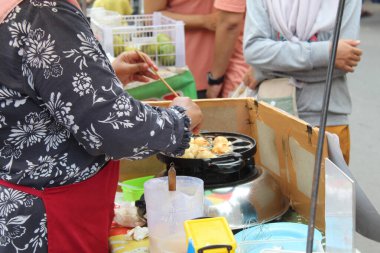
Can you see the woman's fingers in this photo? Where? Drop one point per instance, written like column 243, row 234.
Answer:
column 140, row 78
column 133, row 57
column 150, row 75
column 129, row 66
column 353, row 63
column 136, row 68
column 355, row 57
column 356, row 51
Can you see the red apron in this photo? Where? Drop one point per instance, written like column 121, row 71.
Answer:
column 79, row 215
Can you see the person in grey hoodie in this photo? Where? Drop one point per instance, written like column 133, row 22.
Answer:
column 285, row 38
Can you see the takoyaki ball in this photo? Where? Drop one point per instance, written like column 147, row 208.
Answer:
column 220, row 139
column 188, row 154
column 204, row 153
column 221, row 148
column 201, row 142
column 193, row 149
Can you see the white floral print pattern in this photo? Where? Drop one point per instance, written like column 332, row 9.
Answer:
column 27, row 72
column 44, row 168
column 19, row 33
column 40, row 238
column 140, row 152
column 122, row 106
column 56, row 135
column 117, row 123
column 32, row 131
column 12, row 15
column 62, row 109
column 90, row 47
column 94, row 140
column 10, row 151
column 2, row 121
column 8, row 97
column 83, row 85
column 87, row 172
column 39, row 53
column 44, row 3
column 78, row 57
column 13, row 228
column 9, row 201
column 71, row 172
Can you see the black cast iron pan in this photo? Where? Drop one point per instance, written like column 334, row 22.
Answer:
column 243, row 147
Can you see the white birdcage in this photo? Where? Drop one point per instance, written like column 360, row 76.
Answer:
column 160, row 37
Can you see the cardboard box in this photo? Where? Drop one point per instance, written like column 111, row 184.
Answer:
column 286, row 147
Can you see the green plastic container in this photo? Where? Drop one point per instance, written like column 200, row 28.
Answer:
column 134, row 188
column 182, row 83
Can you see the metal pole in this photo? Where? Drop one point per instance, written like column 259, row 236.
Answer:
column 322, row 127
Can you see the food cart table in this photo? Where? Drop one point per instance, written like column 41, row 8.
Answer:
column 119, row 243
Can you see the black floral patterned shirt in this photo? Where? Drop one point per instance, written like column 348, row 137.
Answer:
column 64, row 114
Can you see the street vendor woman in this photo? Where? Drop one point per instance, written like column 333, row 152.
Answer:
column 64, row 121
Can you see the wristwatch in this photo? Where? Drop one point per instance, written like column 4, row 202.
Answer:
column 212, row 81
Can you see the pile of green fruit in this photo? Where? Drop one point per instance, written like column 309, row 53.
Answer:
column 164, row 49
column 120, row 46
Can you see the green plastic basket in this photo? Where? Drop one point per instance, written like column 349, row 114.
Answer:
column 134, row 188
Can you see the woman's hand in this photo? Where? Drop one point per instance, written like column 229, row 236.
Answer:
column 213, row 91
column 192, row 111
column 249, row 79
column 347, row 55
column 130, row 67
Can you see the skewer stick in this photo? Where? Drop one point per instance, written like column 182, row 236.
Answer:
column 172, row 179
column 156, row 73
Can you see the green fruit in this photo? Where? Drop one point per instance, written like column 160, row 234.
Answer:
column 168, row 60
column 162, row 37
column 166, row 49
column 118, row 45
column 150, row 49
column 121, row 6
column 167, row 54
column 128, row 48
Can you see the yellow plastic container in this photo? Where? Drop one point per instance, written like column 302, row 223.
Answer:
column 210, row 235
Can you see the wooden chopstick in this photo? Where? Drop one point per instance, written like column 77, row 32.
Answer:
column 172, row 179
column 156, row 73
column 167, row 85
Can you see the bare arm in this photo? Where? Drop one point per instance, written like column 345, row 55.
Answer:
column 228, row 28
column 192, row 21
column 151, row 6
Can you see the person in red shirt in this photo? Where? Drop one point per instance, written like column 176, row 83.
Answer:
column 229, row 66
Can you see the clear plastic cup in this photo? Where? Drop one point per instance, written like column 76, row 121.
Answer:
column 166, row 211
